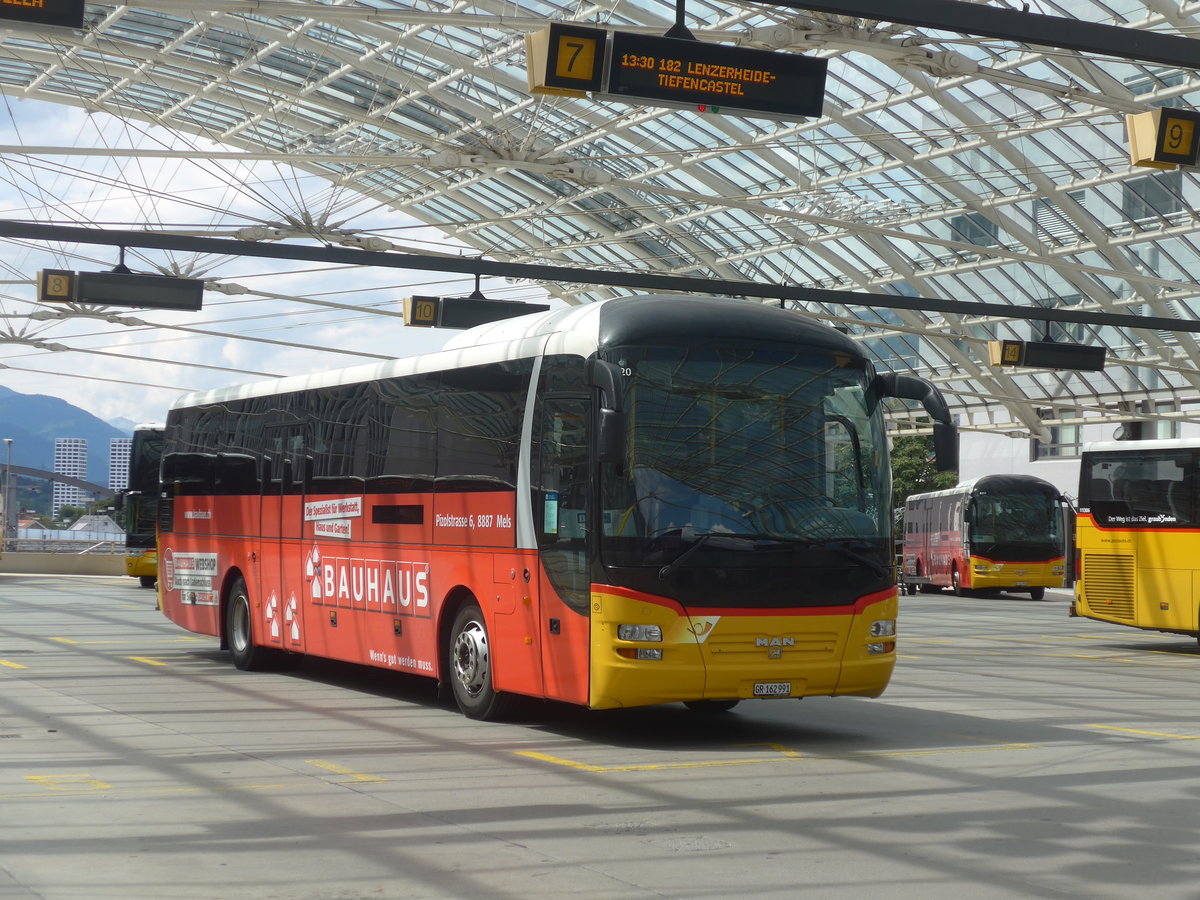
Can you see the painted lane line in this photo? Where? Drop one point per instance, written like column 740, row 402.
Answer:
column 784, row 754
column 342, row 770
column 1162, row 734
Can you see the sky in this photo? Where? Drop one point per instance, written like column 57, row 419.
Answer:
column 280, row 318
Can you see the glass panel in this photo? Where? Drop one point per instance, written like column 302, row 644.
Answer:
column 561, row 497
column 746, row 451
column 1140, row 488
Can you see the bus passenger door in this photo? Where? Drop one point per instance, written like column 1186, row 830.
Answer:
column 286, row 587
column 561, row 501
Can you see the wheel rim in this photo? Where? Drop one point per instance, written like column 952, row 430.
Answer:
column 239, row 632
column 471, row 659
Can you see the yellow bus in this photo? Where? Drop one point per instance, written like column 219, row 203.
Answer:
column 1136, row 535
column 140, row 503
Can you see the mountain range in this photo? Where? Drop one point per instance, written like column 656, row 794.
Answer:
column 34, row 421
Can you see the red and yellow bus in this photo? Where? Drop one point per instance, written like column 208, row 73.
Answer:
column 993, row 533
column 646, row 500
column 1136, row 532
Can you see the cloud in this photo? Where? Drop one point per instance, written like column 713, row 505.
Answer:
column 282, row 317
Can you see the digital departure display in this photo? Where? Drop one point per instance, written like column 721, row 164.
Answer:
column 687, row 73
column 58, row 13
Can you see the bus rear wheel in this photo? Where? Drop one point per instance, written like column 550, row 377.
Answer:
column 469, row 663
column 147, row 581
column 239, row 629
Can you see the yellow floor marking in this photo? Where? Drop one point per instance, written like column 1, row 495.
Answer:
column 11, row 665
column 342, row 770
column 147, row 660
column 786, row 754
column 80, row 781
column 1179, row 737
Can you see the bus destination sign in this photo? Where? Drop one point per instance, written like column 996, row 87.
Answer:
column 57, row 13
column 688, row 73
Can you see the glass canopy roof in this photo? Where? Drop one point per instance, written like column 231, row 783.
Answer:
column 944, row 167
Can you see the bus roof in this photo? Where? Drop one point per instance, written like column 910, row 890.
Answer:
column 1142, row 446
column 578, row 330
column 1016, row 483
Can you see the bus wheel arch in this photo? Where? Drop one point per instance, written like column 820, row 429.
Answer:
column 468, row 662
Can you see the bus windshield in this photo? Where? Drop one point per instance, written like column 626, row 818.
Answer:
column 1015, row 518
column 762, row 449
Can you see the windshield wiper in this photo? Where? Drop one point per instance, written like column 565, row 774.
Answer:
column 674, row 564
column 853, row 550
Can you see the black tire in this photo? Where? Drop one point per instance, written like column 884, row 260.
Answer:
column 239, row 629
column 710, row 706
column 147, row 581
column 1037, row 593
column 469, row 665
column 910, row 589
column 955, row 586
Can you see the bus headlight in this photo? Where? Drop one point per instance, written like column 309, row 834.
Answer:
column 883, row 628
column 646, row 633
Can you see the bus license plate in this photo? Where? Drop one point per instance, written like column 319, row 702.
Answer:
column 772, row 689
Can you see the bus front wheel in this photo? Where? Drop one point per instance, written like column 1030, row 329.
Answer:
column 239, row 631
column 956, row 586
column 1037, row 593
column 147, row 581
column 470, row 665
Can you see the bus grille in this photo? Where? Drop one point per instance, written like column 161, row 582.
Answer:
column 1109, row 584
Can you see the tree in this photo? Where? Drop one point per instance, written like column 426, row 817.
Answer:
column 70, row 514
column 913, row 471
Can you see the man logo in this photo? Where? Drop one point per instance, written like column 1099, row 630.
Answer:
column 774, row 645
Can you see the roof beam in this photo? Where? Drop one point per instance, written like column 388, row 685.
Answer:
column 1022, row 27
column 158, row 240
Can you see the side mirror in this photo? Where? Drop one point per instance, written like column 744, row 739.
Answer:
column 945, row 434
column 610, row 439
column 610, row 423
column 945, row 446
column 607, row 377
